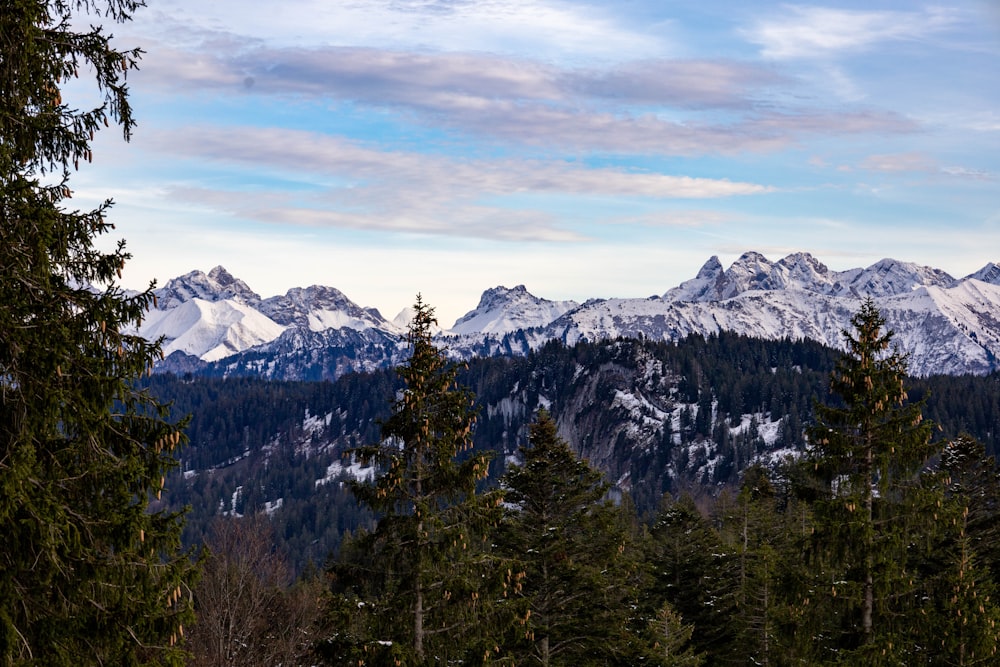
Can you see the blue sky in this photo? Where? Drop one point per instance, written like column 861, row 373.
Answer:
column 584, row 149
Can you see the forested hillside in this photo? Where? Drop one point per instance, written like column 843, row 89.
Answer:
column 874, row 545
column 654, row 418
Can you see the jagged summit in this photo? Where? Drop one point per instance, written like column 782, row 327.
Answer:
column 705, row 286
column 801, row 271
column 988, row 274
column 217, row 285
column 504, row 310
column 753, row 271
column 318, row 308
column 216, row 315
column 889, row 277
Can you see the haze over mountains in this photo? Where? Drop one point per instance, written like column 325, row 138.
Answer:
column 216, row 324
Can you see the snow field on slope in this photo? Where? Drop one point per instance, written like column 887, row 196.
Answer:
column 210, row 330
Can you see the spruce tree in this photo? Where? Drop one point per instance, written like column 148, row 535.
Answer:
column 670, row 639
column 574, row 552
column 698, row 575
column 871, row 517
column 420, row 581
column 755, row 530
column 88, row 575
column 965, row 612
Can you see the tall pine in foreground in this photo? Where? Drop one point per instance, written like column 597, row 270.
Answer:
column 416, row 591
column 88, row 576
column 576, row 555
column 873, row 519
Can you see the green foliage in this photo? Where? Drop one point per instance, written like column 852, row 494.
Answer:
column 697, row 574
column 956, row 575
column 877, row 519
column 573, row 557
column 670, row 638
column 87, row 574
column 421, row 575
column 746, row 572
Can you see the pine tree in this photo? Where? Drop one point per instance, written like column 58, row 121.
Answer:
column 754, row 530
column 87, row 574
column 421, row 576
column 697, row 574
column 574, row 553
column 965, row 612
column 670, row 639
column 870, row 514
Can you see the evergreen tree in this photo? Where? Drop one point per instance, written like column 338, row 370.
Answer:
column 574, row 552
column 870, row 515
column 697, row 574
column 670, row 639
column 972, row 479
column 754, row 530
column 965, row 613
column 87, row 574
column 420, row 576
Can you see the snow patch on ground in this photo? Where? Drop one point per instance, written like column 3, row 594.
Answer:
column 353, row 470
column 272, row 507
column 320, row 320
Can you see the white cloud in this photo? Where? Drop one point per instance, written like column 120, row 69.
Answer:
column 408, row 192
column 549, row 29
column 821, row 32
column 296, row 151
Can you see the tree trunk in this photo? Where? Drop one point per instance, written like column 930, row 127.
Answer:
column 418, row 622
column 869, row 586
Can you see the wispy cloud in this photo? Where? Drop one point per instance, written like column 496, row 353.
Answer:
column 969, row 172
column 549, row 29
column 435, row 81
column 655, row 128
column 897, row 162
column 822, row 32
column 921, row 163
column 410, row 192
column 624, row 109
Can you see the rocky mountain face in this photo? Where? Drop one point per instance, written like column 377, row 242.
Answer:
column 215, row 324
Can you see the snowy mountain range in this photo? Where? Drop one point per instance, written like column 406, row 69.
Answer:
column 215, row 324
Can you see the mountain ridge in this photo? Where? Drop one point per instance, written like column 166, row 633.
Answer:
column 947, row 325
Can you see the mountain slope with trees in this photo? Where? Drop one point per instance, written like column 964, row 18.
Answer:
column 654, row 418
column 875, row 545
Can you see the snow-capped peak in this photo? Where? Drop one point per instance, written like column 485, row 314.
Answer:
column 406, row 315
column 988, row 274
column 752, row 271
column 801, row 271
column 217, row 285
column 209, row 330
column 947, row 325
column 318, row 308
column 504, row 310
column 703, row 287
column 889, row 277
